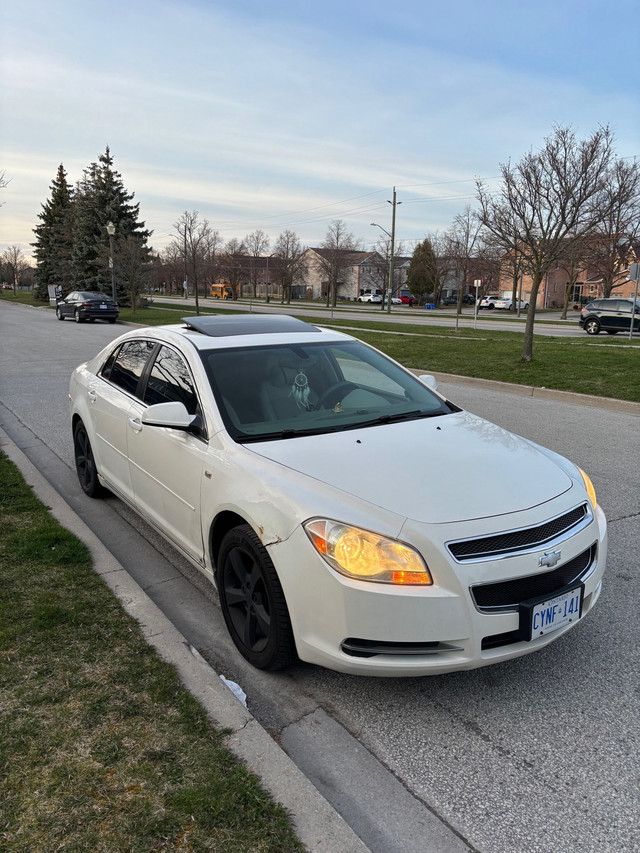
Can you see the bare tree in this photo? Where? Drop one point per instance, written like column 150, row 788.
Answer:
column 616, row 242
column 233, row 264
column 171, row 272
column 463, row 239
column 292, row 267
column 193, row 236
column 256, row 245
column 211, row 251
column 380, row 268
column 15, row 265
column 335, row 257
column 3, row 183
column 550, row 197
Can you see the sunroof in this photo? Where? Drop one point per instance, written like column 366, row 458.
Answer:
column 217, row 326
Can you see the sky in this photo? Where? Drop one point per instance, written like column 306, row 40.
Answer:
column 290, row 114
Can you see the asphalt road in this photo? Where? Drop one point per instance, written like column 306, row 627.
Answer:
column 538, row 755
column 553, row 325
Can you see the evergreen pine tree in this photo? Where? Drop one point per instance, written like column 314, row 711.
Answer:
column 422, row 275
column 54, row 239
column 102, row 198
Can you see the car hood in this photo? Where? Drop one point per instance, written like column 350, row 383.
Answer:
column 443, row 469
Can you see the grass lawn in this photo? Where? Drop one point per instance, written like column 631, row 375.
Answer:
column 101, row 747
column 606, row 366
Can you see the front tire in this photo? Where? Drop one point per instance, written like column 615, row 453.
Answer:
column 252, row 601
column 59, row 314
column 85, row 463
column 592, row 327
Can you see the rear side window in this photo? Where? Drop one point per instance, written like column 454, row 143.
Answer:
column 129, row 364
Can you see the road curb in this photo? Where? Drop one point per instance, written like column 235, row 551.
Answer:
column 318, row 825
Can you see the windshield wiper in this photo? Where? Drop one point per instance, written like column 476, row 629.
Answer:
column 401, row 416
column 282, row 434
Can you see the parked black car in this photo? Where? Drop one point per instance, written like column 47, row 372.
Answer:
column 84, row 305
column 610, row 316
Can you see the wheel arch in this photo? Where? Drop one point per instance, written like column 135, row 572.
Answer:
column 221, row 525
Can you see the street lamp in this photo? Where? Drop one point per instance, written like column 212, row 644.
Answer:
column 111, row 230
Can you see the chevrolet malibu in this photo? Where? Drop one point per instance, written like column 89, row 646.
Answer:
column 265, row 450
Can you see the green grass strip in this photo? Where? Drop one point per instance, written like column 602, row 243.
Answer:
column 101, row 747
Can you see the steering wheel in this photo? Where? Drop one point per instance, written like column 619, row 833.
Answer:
column 334, row 394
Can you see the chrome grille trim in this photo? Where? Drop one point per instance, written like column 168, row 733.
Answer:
column 523, row 540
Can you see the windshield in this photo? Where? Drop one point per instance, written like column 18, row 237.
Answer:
column 279, row 392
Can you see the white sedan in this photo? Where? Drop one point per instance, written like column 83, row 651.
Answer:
column 505, row 304
column 265, row 450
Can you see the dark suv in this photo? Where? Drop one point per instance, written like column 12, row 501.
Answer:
column 610, row 315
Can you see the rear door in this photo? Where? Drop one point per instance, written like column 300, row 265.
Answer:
column 112, row 395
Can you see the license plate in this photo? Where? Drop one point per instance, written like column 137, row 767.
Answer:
column 102, row 305
column 541, row 617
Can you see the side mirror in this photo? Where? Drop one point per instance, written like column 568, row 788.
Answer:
column 172, row 415
column 429, row 380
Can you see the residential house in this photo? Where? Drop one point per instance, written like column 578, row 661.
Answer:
column 355, row 272
column 581, row 274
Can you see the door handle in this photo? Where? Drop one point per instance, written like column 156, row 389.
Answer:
column 92, row 396
column 136, row 424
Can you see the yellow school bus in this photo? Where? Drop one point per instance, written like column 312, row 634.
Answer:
column 221, row 291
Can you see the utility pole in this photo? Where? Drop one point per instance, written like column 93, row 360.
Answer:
column 392, row 237
column 393, row 204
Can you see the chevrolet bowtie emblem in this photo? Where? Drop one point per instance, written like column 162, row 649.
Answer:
column 550, row 558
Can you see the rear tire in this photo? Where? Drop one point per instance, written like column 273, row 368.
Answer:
column 611, row 331
column 252, row 601
column 85, row 463
column 77, row 317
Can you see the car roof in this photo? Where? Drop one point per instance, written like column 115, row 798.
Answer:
column 219, row 326
column 246, row 330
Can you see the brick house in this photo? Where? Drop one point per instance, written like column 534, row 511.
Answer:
column 581, row 274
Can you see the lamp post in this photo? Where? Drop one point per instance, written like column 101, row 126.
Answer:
column 111, row 230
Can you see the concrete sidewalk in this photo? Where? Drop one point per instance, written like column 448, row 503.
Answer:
column 317, row 823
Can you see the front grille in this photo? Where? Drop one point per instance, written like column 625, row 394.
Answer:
column 487, row 547
column 504, row 595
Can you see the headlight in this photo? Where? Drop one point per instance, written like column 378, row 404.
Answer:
column 589, row 487
column 365, row 555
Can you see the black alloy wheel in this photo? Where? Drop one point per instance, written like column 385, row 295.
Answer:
column 252, row 601
column 85, row 463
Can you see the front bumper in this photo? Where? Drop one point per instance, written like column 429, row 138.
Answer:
column 378, row 629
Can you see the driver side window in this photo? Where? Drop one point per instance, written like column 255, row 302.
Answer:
column 170, row 381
